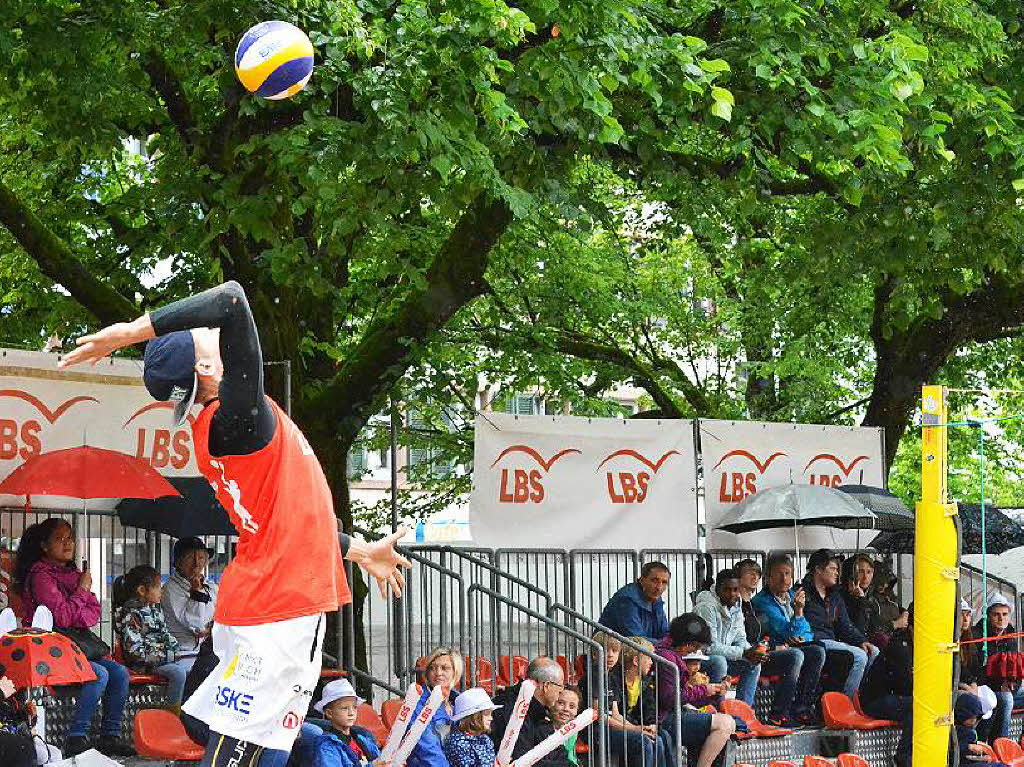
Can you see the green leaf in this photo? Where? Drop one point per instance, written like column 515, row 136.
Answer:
column 722, row 109
column 859, row 52
column 721, row 94
column 1018, row 184
column 714, row 65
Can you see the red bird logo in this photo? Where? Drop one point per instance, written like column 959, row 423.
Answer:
column 642, row 458
column 546, row 465
column 49, row 415
column 760, row 467
column 842, row 467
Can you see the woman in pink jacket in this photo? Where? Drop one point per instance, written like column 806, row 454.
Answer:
column 45, row 574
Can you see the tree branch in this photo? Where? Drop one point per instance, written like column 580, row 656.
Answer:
column 166, row 83
column 59, row 263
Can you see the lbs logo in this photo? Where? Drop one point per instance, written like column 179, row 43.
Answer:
column 832, row 479
column 521, row 486
column 631, row 486
column 233, row 700
column 737, row 485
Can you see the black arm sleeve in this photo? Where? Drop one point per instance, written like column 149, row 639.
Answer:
column 344, row 541
column 244, row 422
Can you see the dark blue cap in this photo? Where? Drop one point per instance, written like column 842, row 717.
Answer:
column 169, row 371
column 967, row 705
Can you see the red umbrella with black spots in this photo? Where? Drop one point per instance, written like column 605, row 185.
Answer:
column 32, row 657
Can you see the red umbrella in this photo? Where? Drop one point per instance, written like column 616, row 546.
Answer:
column 87, row 472
column 33, row 657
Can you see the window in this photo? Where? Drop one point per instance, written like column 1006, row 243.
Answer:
column 356, row 461
column 424, row 456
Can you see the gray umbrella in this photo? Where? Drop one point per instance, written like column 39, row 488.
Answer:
column 890, row 512
column 792, row 506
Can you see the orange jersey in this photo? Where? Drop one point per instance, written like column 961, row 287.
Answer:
column 288, row 561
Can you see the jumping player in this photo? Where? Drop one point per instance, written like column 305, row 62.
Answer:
column 287, row 572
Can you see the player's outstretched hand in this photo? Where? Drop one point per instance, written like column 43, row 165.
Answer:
column 384, row 563
column 94, row 347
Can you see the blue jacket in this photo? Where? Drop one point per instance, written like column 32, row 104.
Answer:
column 828, row 616
column 629, row 613
column 780, row 628
column 465, row 750
column 329, row 750
column 429, row 751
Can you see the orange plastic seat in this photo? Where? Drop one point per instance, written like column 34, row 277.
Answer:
column 511, row 670
column 389, row 711
column 740, row 709
column 581, row 667
column 367, row 718
column 818, row 761
column 134, row 678
column 839, row 714
column 159, row 734
column 567, row 669
column 782, row 763
column 851, row 760
column 484, row 674
column 1006, row 750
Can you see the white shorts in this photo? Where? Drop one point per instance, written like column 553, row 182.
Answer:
column 264, row 681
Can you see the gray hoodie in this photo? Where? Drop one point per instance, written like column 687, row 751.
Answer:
column 728, row 636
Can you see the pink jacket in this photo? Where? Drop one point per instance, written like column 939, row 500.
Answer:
column 56, row 586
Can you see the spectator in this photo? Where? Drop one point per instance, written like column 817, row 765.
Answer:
column 966, row 712
column 566, row 708
column 795, row 657
column 730, row 652
column 444, row 669
column 888, row 689
column 633, row 716
column 45, row 574
column 470, row 744
column 612, row 649
column 706, row 734
column 826, row 612
column 637, row 609
column 889, row 610
column 1008, row 696
column 550, row 681
column 147, row 645
column 748, row 571
column 189, row 598
column 859, row 594
column 344, row 744
column 972, row 667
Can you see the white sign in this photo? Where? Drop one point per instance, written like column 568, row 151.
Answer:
column 743, row 457
column 566, row 482
column 43, row 408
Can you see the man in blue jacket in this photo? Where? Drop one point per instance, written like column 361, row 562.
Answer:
column 793, row 656
column 825, row 611
column 637, row 609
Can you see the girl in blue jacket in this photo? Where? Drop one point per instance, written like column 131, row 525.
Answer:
column 343, row 744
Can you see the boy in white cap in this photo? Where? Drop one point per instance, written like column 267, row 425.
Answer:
column 469, row 744
column 343, row 744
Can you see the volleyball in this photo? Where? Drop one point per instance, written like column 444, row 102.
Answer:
column 274, row 60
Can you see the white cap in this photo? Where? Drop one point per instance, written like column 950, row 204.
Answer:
column 998, row 599
column 965, row 606
column 695, row 656
column 988, row 700
column 472, row 701
column 339, row 688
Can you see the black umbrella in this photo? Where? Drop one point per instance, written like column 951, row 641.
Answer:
column 196, row 512
column 1002, row 533
column 890, row 512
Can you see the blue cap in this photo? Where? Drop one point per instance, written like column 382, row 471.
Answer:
column 169, row 371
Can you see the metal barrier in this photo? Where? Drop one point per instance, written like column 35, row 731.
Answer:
column 596, row 574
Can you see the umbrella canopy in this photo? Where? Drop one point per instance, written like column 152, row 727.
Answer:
column 1002, row 533
column 196, row 511
column 890, row 512
column 791, row 505
column 33, row 657
column 86, row 472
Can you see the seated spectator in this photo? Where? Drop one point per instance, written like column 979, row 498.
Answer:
column 966, row 712
column 637, row 609
column 748, row 572
column 972, row 665
column 703, row 733
column 147, row 645
column 188, row 598
column 1008, row 697
column 45, row 574
column 343, row 744
column 470, row 744
column 567, row 707
column 444, row 669
column 633, row 716
column 550, row 681
column 888, row 688
column 826, row 613
column 589, row 683
column 794, row 656
column 858, row 574
column 890, row 612
column 730, row 652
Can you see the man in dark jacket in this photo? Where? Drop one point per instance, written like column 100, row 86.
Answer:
column 832, row 627
column 637, row 609
column 550, row 680
column 887, row 692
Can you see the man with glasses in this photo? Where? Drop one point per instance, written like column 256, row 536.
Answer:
column 550, row 681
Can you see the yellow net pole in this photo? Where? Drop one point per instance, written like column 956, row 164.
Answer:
column 935, row 572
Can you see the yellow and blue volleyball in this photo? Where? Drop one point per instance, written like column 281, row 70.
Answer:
column 274, row 60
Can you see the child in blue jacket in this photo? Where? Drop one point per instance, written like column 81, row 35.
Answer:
column 343, row 744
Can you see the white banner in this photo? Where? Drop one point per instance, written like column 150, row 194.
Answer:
column 566, row 482
column 43, row 408
column 743, row 457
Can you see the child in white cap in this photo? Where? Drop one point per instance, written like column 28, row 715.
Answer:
column 343, row 744
column 469, row 744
